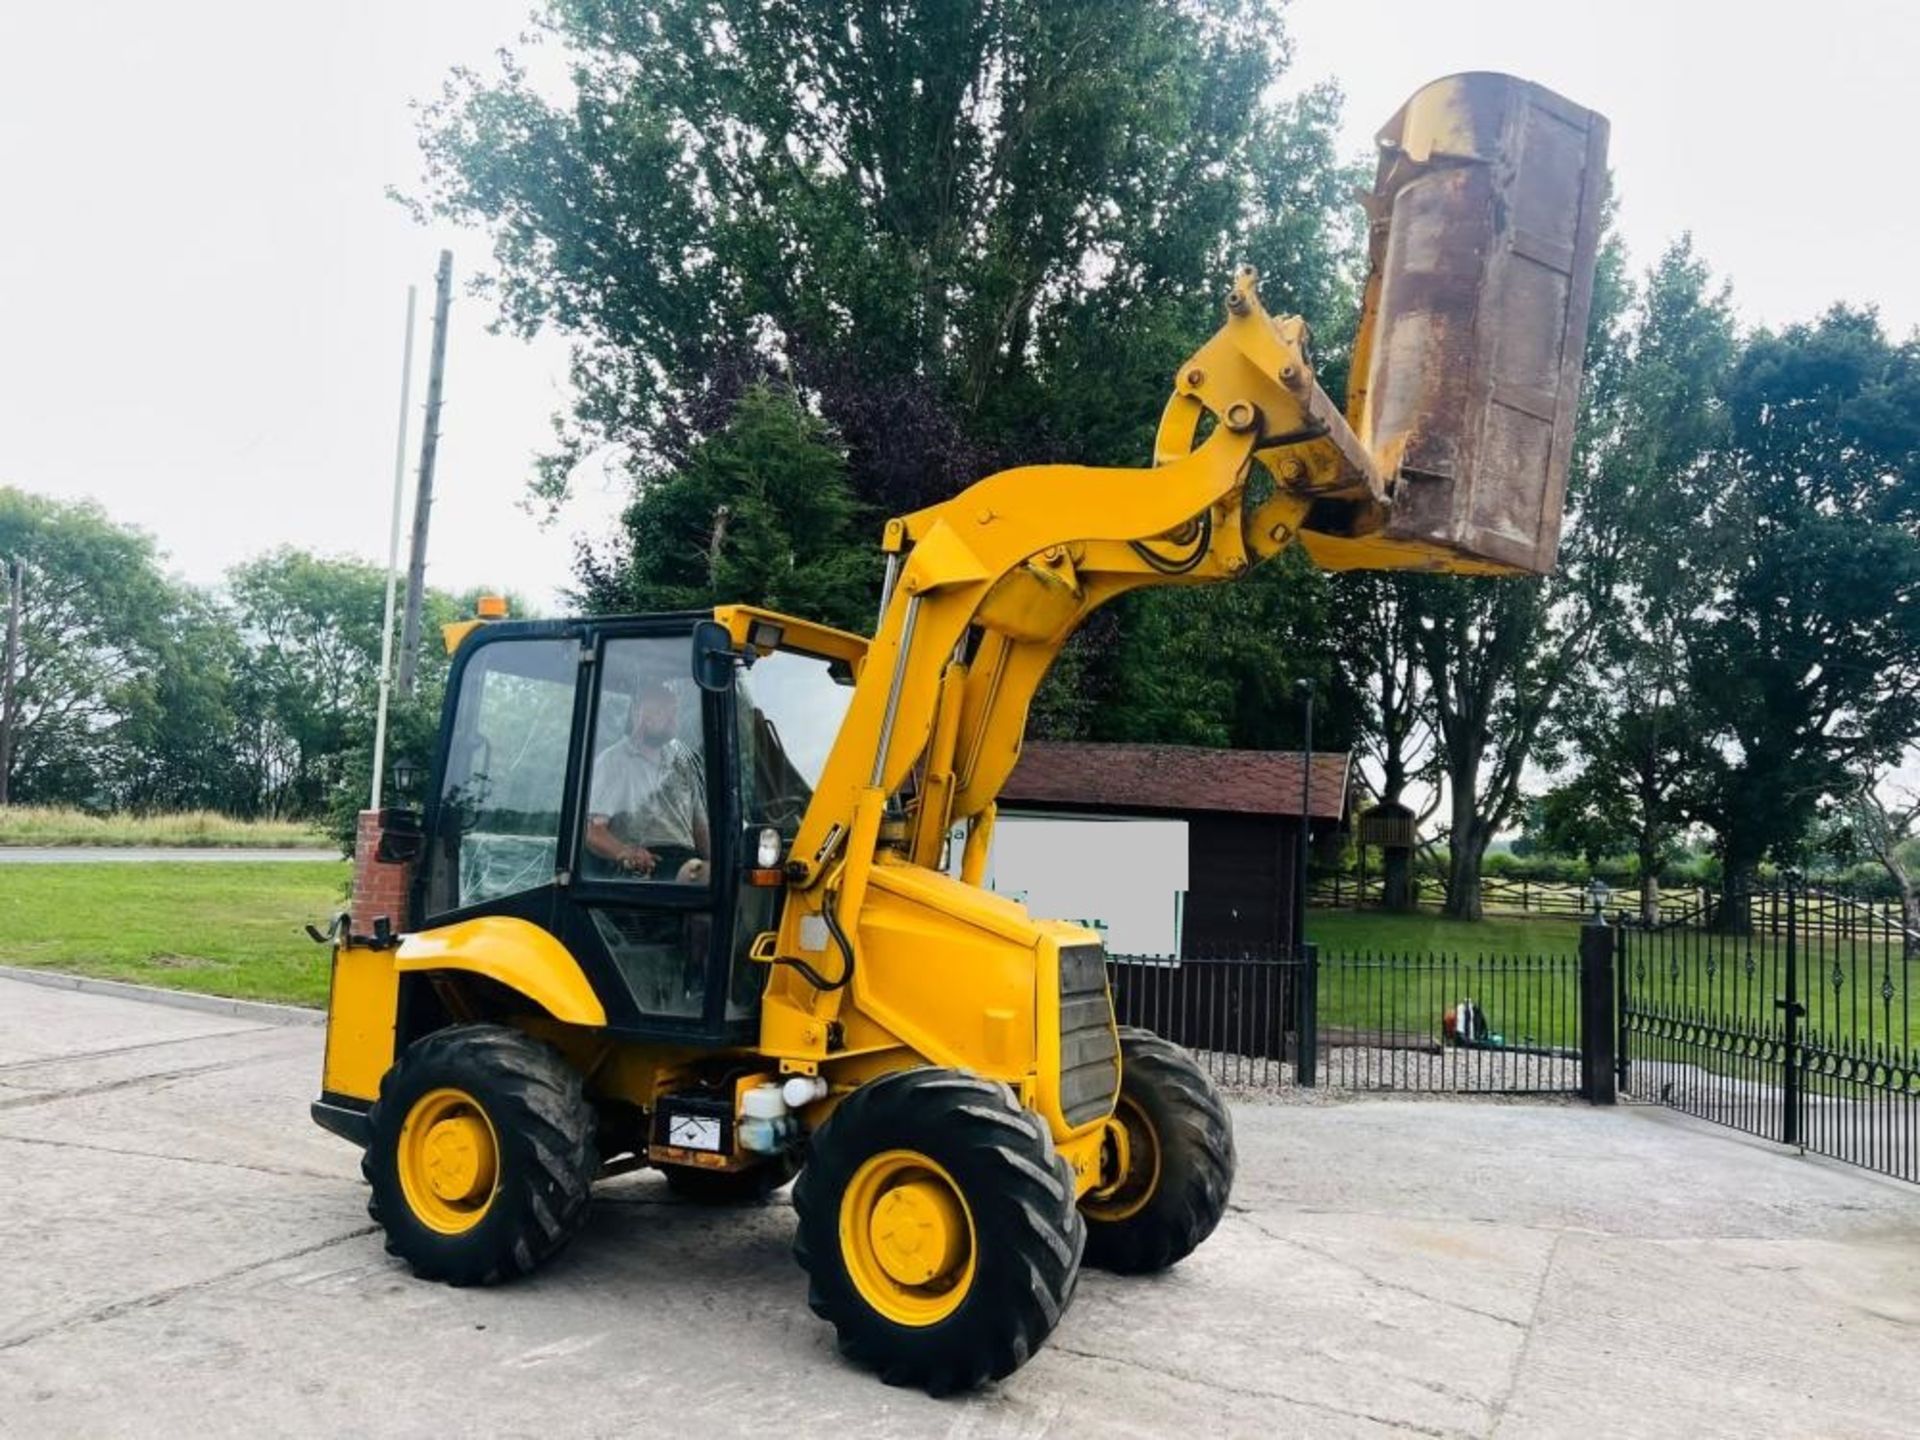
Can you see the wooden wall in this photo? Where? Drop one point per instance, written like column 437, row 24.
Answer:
column 1240, row 879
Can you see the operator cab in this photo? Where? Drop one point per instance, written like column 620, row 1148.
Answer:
column 587, row 784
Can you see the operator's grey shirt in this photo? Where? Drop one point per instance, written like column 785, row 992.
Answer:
column 649, row 800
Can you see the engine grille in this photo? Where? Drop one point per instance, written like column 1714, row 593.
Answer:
column 1089, row 1058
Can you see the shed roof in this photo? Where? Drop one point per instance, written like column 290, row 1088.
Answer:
column 1136, row 778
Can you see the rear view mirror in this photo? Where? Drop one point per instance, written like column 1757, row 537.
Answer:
column 713, row 656
column 1485, row 223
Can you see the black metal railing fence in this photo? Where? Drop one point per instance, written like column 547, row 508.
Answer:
column 1789, row 1013
column 1365, row 1020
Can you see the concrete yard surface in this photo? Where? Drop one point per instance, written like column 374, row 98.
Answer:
column 190, row 1256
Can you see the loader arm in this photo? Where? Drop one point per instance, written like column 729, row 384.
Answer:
column 986, row 588
column 1452, row 458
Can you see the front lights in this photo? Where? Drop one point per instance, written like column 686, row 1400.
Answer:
column 767, row 856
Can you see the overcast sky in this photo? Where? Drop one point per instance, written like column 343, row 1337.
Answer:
column 202, row 284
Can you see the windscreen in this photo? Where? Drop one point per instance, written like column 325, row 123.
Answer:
column 791, row 707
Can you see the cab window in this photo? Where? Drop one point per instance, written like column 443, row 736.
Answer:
column 645, row 818
column 644, row 826
column 497, row 827
column 789, row 709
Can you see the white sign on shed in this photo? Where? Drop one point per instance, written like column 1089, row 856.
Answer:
column 1124, row 877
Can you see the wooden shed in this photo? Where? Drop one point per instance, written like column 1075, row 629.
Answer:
column 1242, row 809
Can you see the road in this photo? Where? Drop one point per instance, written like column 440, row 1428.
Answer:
column 147, row 854
column 189, row 1256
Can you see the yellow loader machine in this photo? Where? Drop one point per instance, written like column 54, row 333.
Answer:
column 680, row 893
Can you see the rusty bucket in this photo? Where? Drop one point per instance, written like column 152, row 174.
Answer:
column 1485, row 222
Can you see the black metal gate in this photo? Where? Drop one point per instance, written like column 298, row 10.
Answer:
column 1370, row 1020
column 1788, row 1013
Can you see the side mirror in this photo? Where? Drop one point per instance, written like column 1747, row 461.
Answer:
column 713, row 657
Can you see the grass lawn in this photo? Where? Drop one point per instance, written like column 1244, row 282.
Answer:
column 57, row 825
column 1397, row 974
column 220, row 929
column 1368, row 931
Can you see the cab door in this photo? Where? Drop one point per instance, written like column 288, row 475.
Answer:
column 495, row 822
column 654, row 837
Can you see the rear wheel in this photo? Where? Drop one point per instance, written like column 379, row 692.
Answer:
column 937, row 1229
column 1179, row 1172
column 481, row 1155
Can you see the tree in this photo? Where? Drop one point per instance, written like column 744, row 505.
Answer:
column 1216, row 665
column 1495, row 655
column 1379, row 616
column 93, row 614
column 1885, row 821
column 932, row 206
column 1660, row 420
column 760, row 513
column 1806, row 664
column 1498, row 654
column 304, row 688
column 178, row 739
column 961, row 236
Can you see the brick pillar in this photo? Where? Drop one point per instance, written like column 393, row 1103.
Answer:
column 379, row 888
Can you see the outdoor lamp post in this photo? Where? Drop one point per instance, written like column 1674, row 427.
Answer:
column 1303, row 687
column 1601, row 1038
column 403, row 777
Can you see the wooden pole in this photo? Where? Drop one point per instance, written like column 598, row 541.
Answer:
column 423, row 496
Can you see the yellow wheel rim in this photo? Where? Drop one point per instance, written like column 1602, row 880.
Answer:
column 1128, row 1195
column 449, row 1161
column 907, row 1237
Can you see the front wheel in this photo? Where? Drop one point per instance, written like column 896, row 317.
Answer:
column 937, row 1229
column 1179, row 1146
column 481, row 1154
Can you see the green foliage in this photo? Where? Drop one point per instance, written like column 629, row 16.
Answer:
column 306, row 684
column 974, row 199
column 1662, row 421
column 760, row 513
column 1805, row 665
column 139, row 695
column 961, row 236
column 94, row 625
column 311, row 660
column 1768, row 553
column 413, row 727
column 178, row 739
column 1217, row 665
column 1584, row 819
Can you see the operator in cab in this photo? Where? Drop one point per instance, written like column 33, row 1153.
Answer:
column 647, row 810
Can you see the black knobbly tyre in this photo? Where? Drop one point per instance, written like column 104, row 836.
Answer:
column 481, row 1155
column 1180, row 1154
column 937, row 1228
